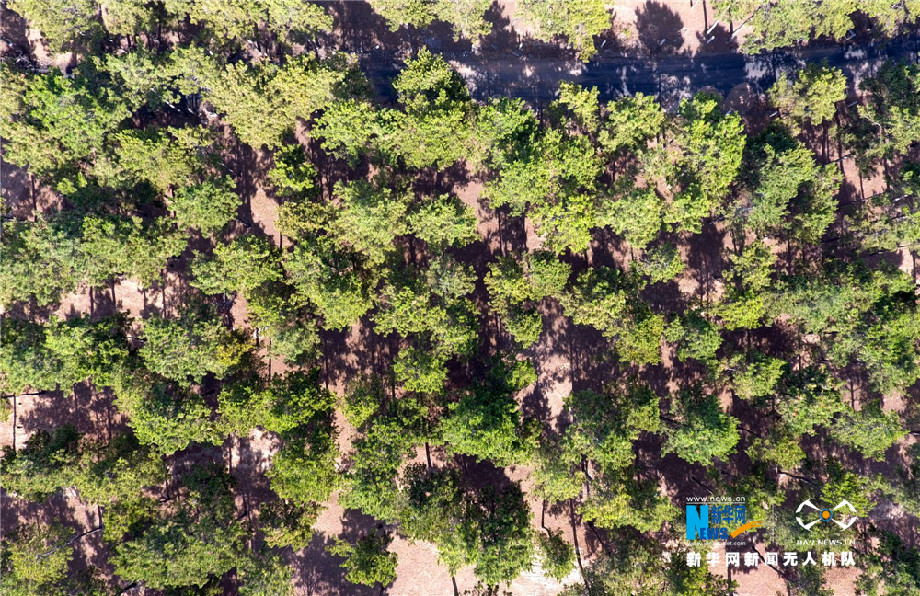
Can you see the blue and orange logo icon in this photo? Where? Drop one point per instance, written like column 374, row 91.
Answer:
column 712, row 522
column 827, row 515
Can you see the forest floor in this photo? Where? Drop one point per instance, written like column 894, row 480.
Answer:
column 564, row 357
column 658, row 48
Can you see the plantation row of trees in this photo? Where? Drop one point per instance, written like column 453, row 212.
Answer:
column 797, row 335
column 776, row 23
column 769, row 24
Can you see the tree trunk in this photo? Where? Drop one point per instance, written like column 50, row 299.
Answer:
column 575, row 537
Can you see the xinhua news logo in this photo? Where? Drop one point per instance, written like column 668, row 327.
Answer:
column 716, row 520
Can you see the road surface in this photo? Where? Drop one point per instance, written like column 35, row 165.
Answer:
column 668, row 77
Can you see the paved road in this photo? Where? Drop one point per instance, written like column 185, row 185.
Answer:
column 667, row 77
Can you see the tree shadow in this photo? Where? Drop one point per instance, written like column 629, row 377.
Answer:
column 439, row 37
column 348, row 353
column 14, row 30
column 501, row 35
column 102, row 302
column 592, row 362
column 358, row 28
column 749, row 103
column 705, row 257
column 90, row 553
column 762, row 70
column 332, row 170
column 317, row 572
column 717, row 40
column 660, row 29
column 88, row 408
column 17, row 191
column 356, row 525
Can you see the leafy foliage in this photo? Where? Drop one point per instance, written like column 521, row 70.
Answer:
column 616, row 247
column 605, row 426
column 35, row 560
column 239, row 19
column 634, row 567
column 164, row 414
column 812, row 96
column 242, row 265
column 703, row 431
column 367, row 561
column 42, row 467
column 606, row 299
column 57, row 125
column 279, row 404
column 188, row 348
column 62, row 353
column 207, row 207
column 579, row 21
column 303, row 472
column 467, row 17
column 265, row 574
column 263, row 103
column 558, row 556
column 286, row 523
column 187, row 545
column 486, row 423
column 779, row 24
column 46, row 243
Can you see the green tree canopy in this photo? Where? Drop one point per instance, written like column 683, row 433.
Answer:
column 578, row 21
column 605, row 426
column 812, row 96
column 35, row 559
column 367, row 560
column 467, row 17
column 240, row 19
column 62, row 353
column 188, row 348
column 486, row 423
column 189, row 541
column 304, row 471
column 44, row 465
column 56, row 125
column 701, row 431
column 277, row 404
column 264, row 573
column 207, row 206
column 240, row 266
column 163, row 414
column 264, row 102
column 48, row 244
